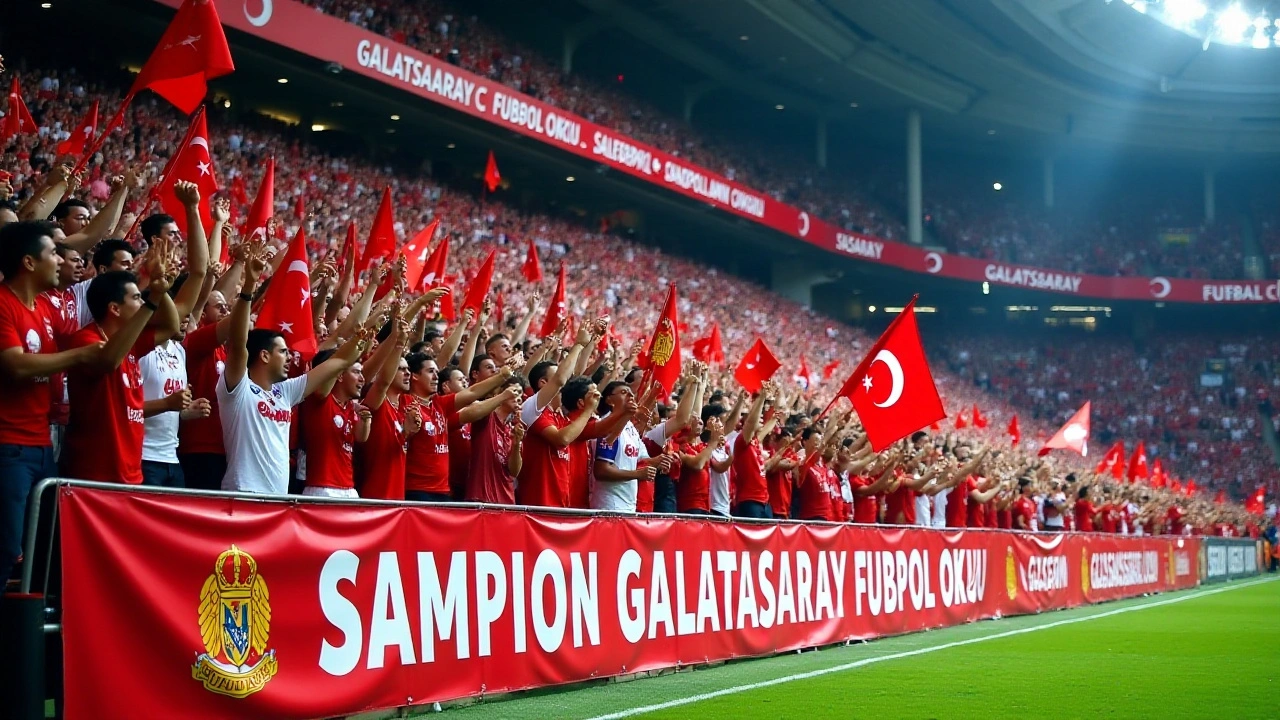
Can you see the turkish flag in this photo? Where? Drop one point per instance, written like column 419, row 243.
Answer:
column 709, row 349
column 83, row 133
column 192, row 163
column 434, row 269
column 830, row 369
column 804, row 374
column 1159, row 478
column 1112, row 462
column 979, row 420
column 192, row 51
column 1074, row 435
column 661, row 357
column 532, row 268
column 479, row 287
column 960, row 422
column 17, row 120
column 556, row 310
column 892, row 388
column 382, row 236
column 1138, row 463
column 416, row 252
column 263, row 203
column 1014, row 431
column 491, row 175
column 756, row 366
column 286, row 305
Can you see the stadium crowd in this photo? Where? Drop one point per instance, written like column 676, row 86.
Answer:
column 134, row 357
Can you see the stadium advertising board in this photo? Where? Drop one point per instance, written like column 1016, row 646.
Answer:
column 272, row 608
column 303, row 29
column 1229, row 558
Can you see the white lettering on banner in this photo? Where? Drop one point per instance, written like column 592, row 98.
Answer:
column 691, row 179
column 415, row 72
column 859, row 246
column 887, row 579
column 624, row 153
column 1216, row 557
column 1045, row 573
column 746, row 202
column 1123, row 569
column 1241, row 292
column 1182, row 564
column 1029, row 277
column 1235, row 560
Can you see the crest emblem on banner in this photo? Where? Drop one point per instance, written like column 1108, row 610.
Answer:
column 664, row 343
column 1084, row 570
column 1011, row 574
column 235, row 622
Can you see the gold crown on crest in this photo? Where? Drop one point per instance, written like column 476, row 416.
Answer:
column 235, row 571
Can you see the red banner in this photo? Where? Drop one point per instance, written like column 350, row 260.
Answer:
column 246, row 608
column 303, row 29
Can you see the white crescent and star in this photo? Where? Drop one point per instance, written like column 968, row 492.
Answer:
column 804, row 224
column 301, row 267
column 1164, row 287
column 932, row 262
column 895, row 373
column 261, row 18
column 1075, row 432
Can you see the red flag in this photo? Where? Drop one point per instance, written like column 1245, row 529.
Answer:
column 1113, row 461
column 804, row 373
column 1220, row 498
column 556, row 310
column 661, row 357
column 1014, row 431
column 1257, row 502
column 1138, row 463
column 479, row 287
column 1158, row 475
column 709, row 349
column 1191, row 488
column 18, row 120
column 499, row 308
column 83, row 134
column 979, row 420
column 239, row 192
column 263, row 203
column 434, row 270
column 286, row 305
column 491, row 175
column 756, row 366
column 416, row 252
column 299, row 209
column 193, row 163
column 1175, row 486
column 192, row 51
column 960, row 422
column 532, row 268
column 382, row 236
column 1073, row 436
column 830, row 369
column 896, row 362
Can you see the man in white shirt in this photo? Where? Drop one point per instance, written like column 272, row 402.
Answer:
column 620, row 464
column 256, row 396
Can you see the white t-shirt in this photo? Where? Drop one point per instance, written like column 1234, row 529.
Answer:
column 83, row 316
column 1057, row 520
column 624, row 453
column 720, row 480
column 924, row 509
column 164, row 372
column 939, row 519
column 255, row 431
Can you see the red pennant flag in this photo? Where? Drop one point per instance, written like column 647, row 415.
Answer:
column 1112, row 462
column 382, row 236
column 709, row 349
column 286, row 305
column 1158, row 475
column 192, row 51
column 1220, row 498
column 1138, row 463
column 804, row 374
column 979, row 420
column 434, row 270
column 17, row 120
column 661, row 357
column 82, row 135
column 479, row 288
column 830, row 369
column 960, row 422
column 892, row 388
column 1074, row 435
column 756, row 366
column 193, row 163
column 491, row 175
column 532, row 268
column 263, row 204
column 1014, row 431
column 556, row 310
column 416, row 252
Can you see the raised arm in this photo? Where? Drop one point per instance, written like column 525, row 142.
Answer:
column 485, row 408
column 563, row 437
column 237, row 364
column 108, row 216
column 453, row 340
column 322, row 377
column 484, row 387
column 197, row 249
column 522, row 330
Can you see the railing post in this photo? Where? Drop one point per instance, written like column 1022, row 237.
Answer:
column 22, row 637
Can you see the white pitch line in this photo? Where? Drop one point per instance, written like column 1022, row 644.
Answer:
column 630, row 712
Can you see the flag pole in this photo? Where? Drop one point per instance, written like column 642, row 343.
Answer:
column 168, row 167
column 102, row 139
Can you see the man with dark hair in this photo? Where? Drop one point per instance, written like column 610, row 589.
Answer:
column 1024, row 508
column 88, row 231
column 105, row 432
column 72, row 215
column 164, row 227
column 498, row 347
column 28, row 357
column 111, row 255
column 67, row 304
column 256, row 396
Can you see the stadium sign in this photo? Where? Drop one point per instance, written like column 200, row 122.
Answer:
column 1229, row 558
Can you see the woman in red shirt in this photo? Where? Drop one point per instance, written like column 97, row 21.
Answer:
column 813, row 480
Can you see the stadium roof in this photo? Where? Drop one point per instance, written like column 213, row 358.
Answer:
column 1047, row 75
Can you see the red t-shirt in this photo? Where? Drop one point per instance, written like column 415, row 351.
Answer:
column 459, row 455
column 580, row 467
column 815, row 493
column 780, row 487
column 427, row 464
column 901, row 502
column 104, row 436
column 1110, row 517
column 958, row 503
column 382, row 456
column 328, row 436
column 489, row 481
column 1025, row 508
column 1004, row 518
column 1084, row 512
column 693, row 490
column 24, row 411
column 866, row 509
column 544, row 475
column 1174, row 517
column 206, row 359
column 66, row 322
column 748, row 472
